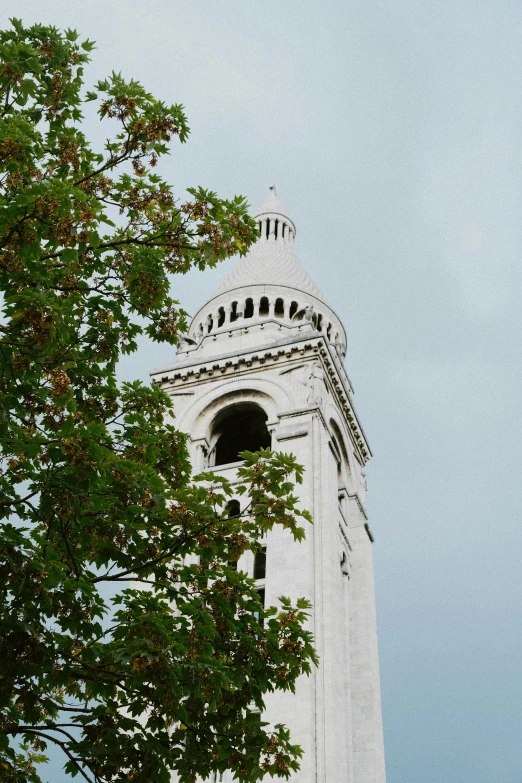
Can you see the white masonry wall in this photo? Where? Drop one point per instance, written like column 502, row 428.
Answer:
column 267, row 335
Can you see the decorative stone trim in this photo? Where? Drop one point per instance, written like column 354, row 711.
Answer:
column 175, row 376
column 288, row 433
column 354, row 496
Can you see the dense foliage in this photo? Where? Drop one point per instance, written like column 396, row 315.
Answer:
column 95, row 483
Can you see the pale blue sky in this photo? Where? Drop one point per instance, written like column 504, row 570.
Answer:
column 392, row 129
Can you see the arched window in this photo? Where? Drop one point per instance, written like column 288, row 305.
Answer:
column 279, row 308
column 249, row 308
column 338, row 460
column 240, row 427
column 293, row 309
column 267, row 228
column 210, row 323
column 221, row 316
column 343, row 469
column 233, row 312
column 233, row 508
column 263, row 306
column 319, row 323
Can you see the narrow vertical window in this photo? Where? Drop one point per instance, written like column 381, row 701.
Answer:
column 258, row 615
column 234, row 510
column 260, row 564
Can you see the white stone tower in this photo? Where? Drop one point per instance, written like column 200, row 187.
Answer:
column 263, row 364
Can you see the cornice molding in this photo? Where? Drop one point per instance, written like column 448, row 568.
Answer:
column 180, row 376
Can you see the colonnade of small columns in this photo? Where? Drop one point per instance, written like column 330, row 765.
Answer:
column 266, row 307
column 275, row 228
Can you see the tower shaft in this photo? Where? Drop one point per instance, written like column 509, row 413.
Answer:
column 263, row 365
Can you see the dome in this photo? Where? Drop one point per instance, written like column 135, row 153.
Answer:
column 271, row 260
column 267, row 296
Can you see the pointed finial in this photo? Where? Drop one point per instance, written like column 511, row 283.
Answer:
column 275, row 212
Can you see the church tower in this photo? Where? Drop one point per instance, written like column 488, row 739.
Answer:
column 263, row 364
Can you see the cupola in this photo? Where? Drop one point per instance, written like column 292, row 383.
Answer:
column 267, row 296
column 273, row 221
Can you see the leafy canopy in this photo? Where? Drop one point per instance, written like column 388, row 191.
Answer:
column 95, row 483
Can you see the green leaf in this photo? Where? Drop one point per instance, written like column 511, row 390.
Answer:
column 97, row 488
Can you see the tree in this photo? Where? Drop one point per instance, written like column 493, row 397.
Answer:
column 95, row 481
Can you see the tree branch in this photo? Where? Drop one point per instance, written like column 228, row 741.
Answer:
column 62, row 745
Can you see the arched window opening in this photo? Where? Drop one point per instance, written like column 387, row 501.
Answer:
column 260, row 227
column 329, row 331
column 338, row 440
column 279, row 311
column 299, row 315
column 293, row 309
column 210, row 323
column 283, row 230
column 276, row 224
column 263, row 306
column 221, row 316
column 233, row 508
column 267, row 228
column 319, row 323
column 233, row 312
column 260, row 564
column 338, row 460
column 249, row 308
column 240, row 427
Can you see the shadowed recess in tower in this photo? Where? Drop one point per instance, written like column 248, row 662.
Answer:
column 240, row 427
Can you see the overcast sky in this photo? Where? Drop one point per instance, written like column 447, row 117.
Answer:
column 393, row 131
